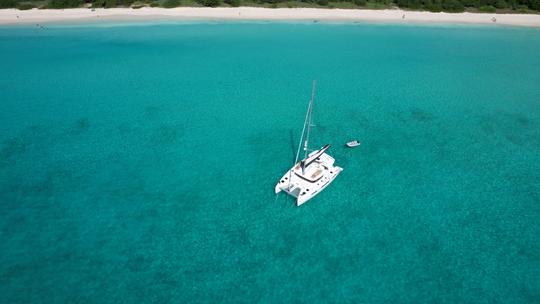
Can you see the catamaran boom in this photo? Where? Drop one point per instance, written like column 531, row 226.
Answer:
column 305, row 162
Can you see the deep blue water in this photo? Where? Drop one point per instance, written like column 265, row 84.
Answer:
column 137, row 164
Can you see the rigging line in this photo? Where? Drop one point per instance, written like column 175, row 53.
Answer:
column 306, row 121
column 301, row 139
column 310, row 111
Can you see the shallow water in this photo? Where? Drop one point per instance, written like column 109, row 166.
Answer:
column 137, row 163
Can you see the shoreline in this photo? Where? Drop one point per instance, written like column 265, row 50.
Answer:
column 397, row 16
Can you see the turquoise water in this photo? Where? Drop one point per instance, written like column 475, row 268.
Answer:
column 137, row 164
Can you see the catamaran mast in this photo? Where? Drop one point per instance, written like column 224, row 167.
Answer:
column 310, row 112
column 307, row 121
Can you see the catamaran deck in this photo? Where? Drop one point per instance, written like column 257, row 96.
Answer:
column 314, row 178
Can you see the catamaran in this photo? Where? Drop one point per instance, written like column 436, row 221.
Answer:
column 314, row 172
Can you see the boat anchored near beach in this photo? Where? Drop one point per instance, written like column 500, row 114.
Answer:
column 314, row 172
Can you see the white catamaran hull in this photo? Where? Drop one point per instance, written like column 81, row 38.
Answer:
column 313, row 173
column 306, row 184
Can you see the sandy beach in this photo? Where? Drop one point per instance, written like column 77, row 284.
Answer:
column 13, row 16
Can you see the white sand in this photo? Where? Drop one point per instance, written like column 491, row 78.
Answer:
column 13, row 16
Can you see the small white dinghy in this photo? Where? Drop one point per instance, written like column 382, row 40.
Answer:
column 353, row 143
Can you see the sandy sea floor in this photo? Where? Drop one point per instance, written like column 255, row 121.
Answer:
column 138, row 163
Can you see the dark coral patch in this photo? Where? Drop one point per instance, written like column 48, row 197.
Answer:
column 421, row 115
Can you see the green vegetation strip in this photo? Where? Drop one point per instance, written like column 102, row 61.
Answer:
column 487, row 6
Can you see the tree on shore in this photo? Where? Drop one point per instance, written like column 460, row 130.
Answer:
column 209, row 3
column 8, row 3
